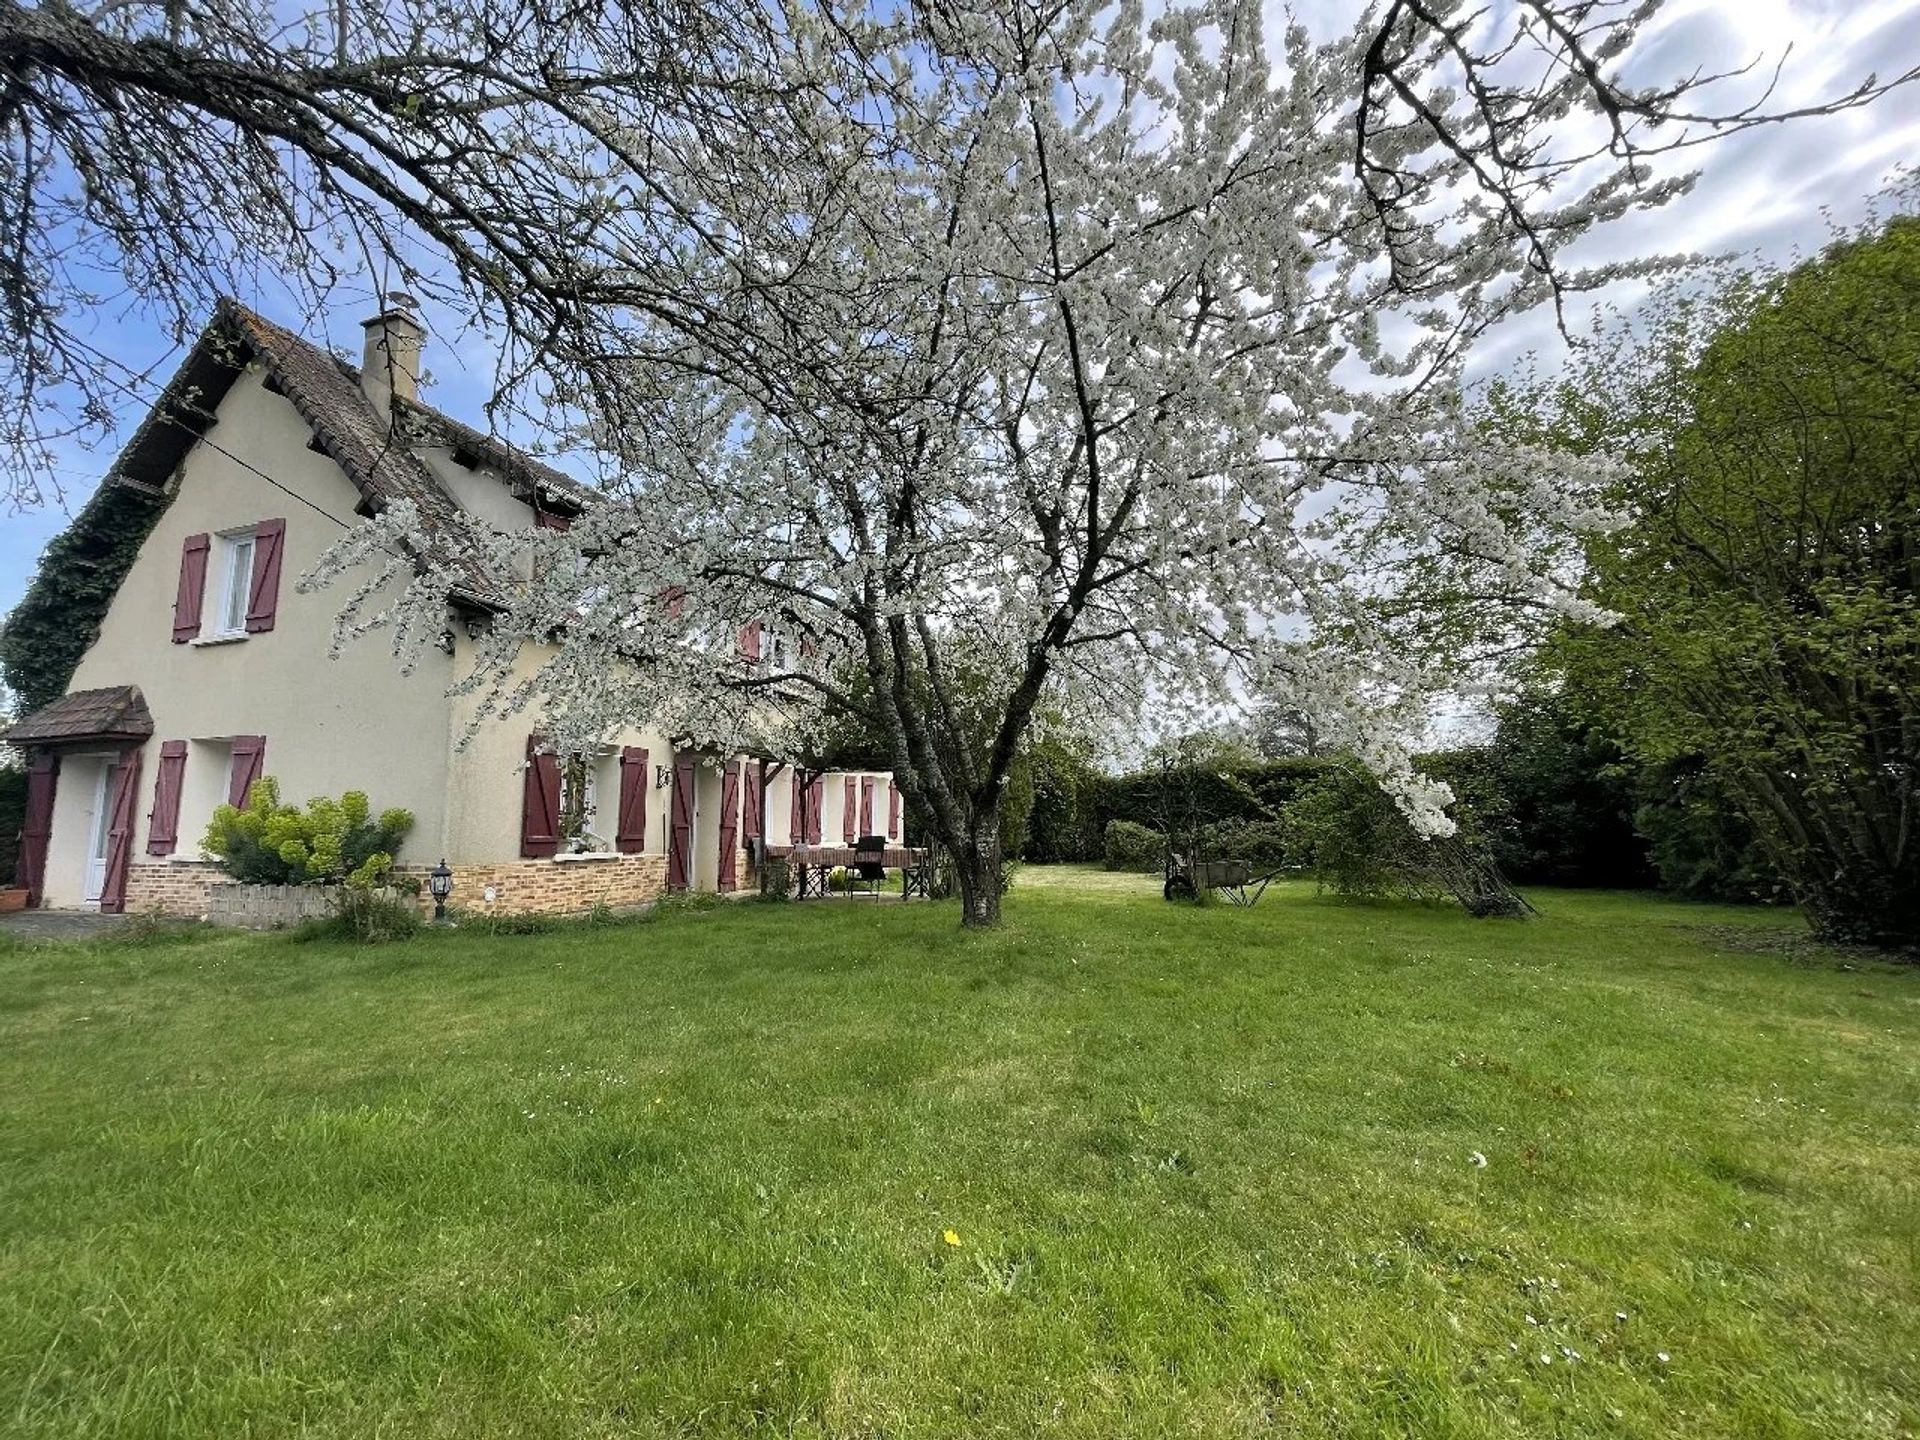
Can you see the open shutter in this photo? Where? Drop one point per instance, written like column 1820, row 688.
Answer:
column 263, row 594
column 729, row 827
column 753, row 804
column 193, row 584
column 816, row 805
column 750, row 642
column 680, row 823
column 866, row 805
column 120, row 810
column 798, row 810
column 249, row 760
column 43, row 777
column 540, row 802
column 163, row 825
column 850, row 786
column 893, row 810
column 630, row 834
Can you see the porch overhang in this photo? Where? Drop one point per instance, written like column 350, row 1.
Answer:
column 115, row 715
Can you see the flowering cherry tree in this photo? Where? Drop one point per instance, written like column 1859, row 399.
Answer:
column 1013, row 363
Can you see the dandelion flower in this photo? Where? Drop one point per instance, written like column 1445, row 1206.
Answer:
column 952, row 1237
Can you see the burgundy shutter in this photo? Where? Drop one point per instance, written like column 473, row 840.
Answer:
column 249, row 759
column 120, row 812
column 193, row 583
column 816, row 805
column 630, row 837
column 540, row 802
column 547, row 520
column 263, row 594
column 163, row 825
column 753, row 807
column 866, row 805
column 846, row 810
column 797, row 813
column 680, row 823
column 43, row 777
column 729, row 826
column 750, row 641
column 893, row 810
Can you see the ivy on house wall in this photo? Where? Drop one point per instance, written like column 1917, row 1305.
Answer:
column 43, row 639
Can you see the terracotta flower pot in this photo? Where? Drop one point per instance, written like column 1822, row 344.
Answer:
column 12, row 900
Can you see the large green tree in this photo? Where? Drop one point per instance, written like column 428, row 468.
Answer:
column 1766, row 580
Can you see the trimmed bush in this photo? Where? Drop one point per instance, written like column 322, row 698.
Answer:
column 1133, row 847
column 331, row 842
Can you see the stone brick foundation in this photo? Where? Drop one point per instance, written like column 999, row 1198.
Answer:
column 551, row 887
column 520, row 887
column 166, row 887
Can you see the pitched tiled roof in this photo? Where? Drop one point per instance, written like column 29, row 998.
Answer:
column 118, row 712
column 346, row 428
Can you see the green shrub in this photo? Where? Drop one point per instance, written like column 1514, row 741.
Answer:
column 776, row 878
column 374, row 917
column 1358, row 844
column 1133, row 847
column 330, row 842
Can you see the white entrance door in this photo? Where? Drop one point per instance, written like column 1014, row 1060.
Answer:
column 97, row 838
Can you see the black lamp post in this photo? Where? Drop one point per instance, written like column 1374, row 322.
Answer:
column 440, row 886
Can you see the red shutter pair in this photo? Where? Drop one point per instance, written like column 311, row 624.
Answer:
column 540, row 802
column 263, row 586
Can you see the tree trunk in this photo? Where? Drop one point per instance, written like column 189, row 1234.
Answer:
column 976, row 862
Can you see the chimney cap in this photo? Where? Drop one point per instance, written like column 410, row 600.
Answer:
column 396, row 302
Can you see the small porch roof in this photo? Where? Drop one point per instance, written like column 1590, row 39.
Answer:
column 118, row 712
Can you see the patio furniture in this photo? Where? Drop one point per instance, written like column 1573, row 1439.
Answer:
column 869, row 866
column 812, row 866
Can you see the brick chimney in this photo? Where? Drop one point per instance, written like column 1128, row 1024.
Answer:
column 391, row 364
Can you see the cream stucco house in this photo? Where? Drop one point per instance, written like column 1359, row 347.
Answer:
column 211, row 669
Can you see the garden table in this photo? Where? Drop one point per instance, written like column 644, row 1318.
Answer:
column 812, row 864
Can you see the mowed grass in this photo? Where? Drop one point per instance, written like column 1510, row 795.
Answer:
column 1212, row 1172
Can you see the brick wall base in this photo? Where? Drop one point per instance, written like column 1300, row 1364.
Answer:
column 550, row 887
column 520, row 887
column 164, row 887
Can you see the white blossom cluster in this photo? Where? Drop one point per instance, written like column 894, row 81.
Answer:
column 1085, row 353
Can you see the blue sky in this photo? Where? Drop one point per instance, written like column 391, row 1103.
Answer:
column 1770, row 193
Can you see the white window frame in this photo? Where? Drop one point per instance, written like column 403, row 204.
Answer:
column 236, row 583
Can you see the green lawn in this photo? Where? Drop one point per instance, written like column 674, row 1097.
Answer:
column 1212, row 1173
